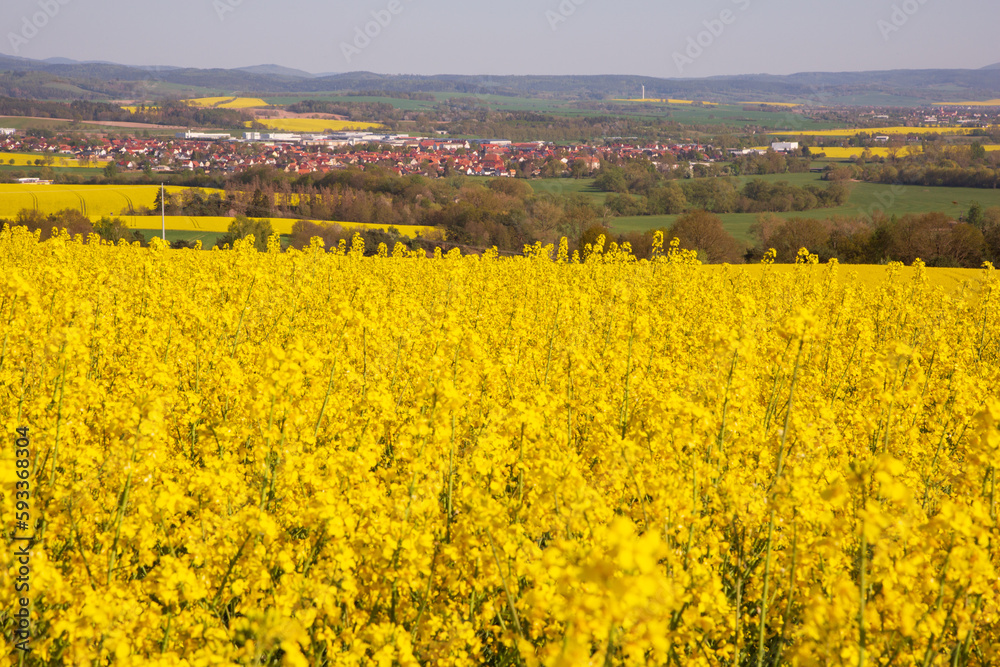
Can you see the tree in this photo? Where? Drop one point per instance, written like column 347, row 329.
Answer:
column 703, row 231
column 578, row 169
column 794, row 234
column 975, row 215
column 590, row 237
column 579, row 216
column 242, row 227
column 71, row 220
column 172, row 207
column 966, row 245
column 260, row 205
column 991, row 233
column 667, row 200
column 111, row 169
column 611, row 179
column 115, row 230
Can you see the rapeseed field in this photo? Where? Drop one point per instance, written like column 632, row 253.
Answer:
column 315, row 125
column 228, row 102
column 878, row 130
column 313, row 458
column 93, row 201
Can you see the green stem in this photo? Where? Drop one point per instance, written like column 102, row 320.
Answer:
column 236, row 338
column 725, row 407
column 122, row 505
column 863, row 586
column 628, row 373
column 55, row 446
column 506, row 588
column 766, row 590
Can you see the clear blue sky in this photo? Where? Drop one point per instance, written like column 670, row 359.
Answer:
column 514, row 36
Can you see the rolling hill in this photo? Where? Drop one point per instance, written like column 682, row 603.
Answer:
column 277, row 70
column 62, row 79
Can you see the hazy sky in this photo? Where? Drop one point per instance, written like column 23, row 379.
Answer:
column 665, row 38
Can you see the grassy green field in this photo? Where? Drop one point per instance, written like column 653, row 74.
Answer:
column 567, row 186
column 16, row 171
column 865, row 199
column 207, row 239
column 405, row 105
column 725, row 114
column 67, row 126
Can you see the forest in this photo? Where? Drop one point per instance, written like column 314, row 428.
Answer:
column 642, row 188
column 165, row 113
column 936, row 166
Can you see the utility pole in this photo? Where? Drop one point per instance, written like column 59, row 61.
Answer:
column 163, row 215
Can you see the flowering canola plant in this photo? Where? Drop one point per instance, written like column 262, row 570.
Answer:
column 322, row 458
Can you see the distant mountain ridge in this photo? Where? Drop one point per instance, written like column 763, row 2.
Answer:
column 277, row 70
column 993, row 66
column 70, row 61
column 22, row 77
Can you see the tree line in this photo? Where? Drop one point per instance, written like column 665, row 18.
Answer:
column 931, row 237
column 953, row 167
column 165, row 113
column 640, row 188
column 109, row 228
column 476, row 214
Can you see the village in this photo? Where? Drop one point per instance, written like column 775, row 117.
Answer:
column 320, row 154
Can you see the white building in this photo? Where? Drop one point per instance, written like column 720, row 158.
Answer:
column 204, row 136
column 784, row 146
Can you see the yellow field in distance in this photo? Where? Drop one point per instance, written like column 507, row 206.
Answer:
column 875, row 130
column 221, row 224
column 666, row 101
column 774, row 104
column 93, row 201
column 228, row 102
column 987, row 103
column 96, row 201
column 315, row 125
column 28, row 160
column 838, row 153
